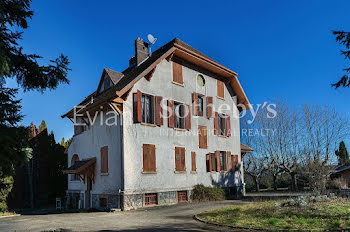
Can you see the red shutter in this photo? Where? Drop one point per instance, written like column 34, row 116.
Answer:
column 104, row 159
column 188, row 117
column 159, row 111
column 229, row 161
column 149, row 158
column 177, row 73
column 202, row 135
column 193, row 158
column 209, row 107
column 137, row 106
column 236, row 162
column 228, row 126
column 171, row 113
column 218, row 161
column 195, row 104
column 220, row 89
column 216, row 124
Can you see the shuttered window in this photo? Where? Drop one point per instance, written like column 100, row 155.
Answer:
column 223, row 161
column 203, row 137
column 220, row 89
column 208, row 162
column 214, row 166
column 177, row 73
column 147, row 108
column 104, row 159
column 149, row 158
column 180, row 162
column 193, row 159
column 217, row 157
column 180, row 116
column 198, row 104
column 222, row 124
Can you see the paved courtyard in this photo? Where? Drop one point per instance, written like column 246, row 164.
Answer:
column 164, row 218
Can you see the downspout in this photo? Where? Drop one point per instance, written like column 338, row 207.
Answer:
column 121, row 190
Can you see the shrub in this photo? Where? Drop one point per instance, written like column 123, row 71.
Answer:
column 5, row 189
column 203, row 193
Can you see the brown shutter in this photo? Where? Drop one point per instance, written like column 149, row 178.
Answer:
column 183, row 159
column 209, row 107
column 236, row 162
column 159, row 111
column 177, row 73
column 193, row 158
column 171, row 113
column 149, row 158
column 228, row 126
column 202, row 135
column 104, row 159
column 188, row 117
column 216, row 124
column 195, row 104
column 220, row 89
column 229, row 161
column 210, row 163
column 218, row 161
column 137, row 106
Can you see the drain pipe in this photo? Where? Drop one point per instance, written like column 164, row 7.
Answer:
column 121, row 147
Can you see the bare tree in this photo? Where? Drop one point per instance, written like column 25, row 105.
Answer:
column 254, row 166
column 323, row 129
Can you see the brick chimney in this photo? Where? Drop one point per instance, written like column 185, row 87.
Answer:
column 141, row 52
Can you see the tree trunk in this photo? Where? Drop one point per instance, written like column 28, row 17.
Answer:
column 293, row 177
column 256, row 181
column 274, row 182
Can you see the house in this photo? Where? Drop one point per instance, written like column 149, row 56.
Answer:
column 342, row 172
column 148, row 134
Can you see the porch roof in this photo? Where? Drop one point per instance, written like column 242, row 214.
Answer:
column 80, row 167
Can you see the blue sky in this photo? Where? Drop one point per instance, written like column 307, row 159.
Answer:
column 279, row 48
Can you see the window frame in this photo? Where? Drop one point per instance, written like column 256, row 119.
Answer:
column 222, row 124
column 181, row 118
column 200, row 105
column 223, row 161
column 144, row 109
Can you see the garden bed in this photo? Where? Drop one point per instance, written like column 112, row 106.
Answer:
column 332, row 214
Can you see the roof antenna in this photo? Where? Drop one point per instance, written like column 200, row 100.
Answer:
column 151, row 40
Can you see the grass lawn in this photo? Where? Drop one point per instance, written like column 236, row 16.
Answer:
column 333, row 214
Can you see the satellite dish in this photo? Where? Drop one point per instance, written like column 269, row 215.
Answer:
column 151, row 39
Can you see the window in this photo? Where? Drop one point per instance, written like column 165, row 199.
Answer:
column 151, row 199
column 223, row 164
column 179, row 115
column 182, row 196
column 213, row 162
column 207, row 162
column 222, row 124
column 177, row 73
column 104, row 159
column 203, row 137
column 149, row 158
column 180, row 162
column 147, row 108
column 198, row 104
column 193, row 159
column 103, row 202
column 233, row 163
column 200, row 80
column 220, row 89
column 74, row 177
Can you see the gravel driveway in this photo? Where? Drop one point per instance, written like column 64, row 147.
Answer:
column 163, row 218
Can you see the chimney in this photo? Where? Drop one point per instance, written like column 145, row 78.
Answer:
column 141, row 52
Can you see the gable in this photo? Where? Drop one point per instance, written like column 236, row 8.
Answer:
column 108, row 79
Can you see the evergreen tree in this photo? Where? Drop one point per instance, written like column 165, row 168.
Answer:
column 42, row 126
column 30, row 75
column 342, row 154
column 343, row 38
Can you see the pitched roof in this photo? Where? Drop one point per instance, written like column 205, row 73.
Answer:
column 341, row 168
column 245, row 148
column 114, row 75
column 79, row 166
column 177, row 47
